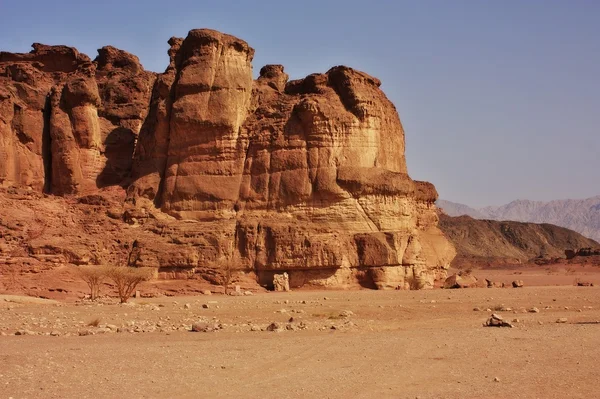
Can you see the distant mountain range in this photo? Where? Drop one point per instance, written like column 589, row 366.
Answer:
column 582, row 216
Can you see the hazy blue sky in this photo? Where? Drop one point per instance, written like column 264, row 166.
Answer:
column 499, row 99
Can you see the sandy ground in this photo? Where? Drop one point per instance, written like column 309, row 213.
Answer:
column 398, row 344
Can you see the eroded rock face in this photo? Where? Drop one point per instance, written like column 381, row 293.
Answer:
column 68, row 124
column 311, row 172
column 305, row 177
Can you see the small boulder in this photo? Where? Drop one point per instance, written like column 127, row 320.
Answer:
column 496, row 320
column 518, row 284
column 204, row 327
column 274, row 327
column 460, row 281
column 281, row 282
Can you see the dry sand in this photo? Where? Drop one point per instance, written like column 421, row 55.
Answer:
column 426, row 344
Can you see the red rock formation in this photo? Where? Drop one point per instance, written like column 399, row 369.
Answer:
column 68, row 123
column 306, row 177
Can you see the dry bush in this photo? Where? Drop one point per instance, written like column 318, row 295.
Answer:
column 228, row 268
column 93, row 276
column 127, row 279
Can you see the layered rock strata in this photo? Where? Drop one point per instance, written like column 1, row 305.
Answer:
column 265, row 176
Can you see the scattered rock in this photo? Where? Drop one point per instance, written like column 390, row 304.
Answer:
column 585, row 284
column 460, row 281
column 275, row 327
column 205, row 327
column 205, row 306
column 25, row 332
column 562, row 320
column 518, row 284
column 533, row 310
column 497, row 321
column 494, row 284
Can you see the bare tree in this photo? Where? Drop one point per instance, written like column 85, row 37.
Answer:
column 229, row 266
column 127, row 279
column 93, row 276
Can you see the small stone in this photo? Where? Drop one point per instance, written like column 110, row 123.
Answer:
column 562, row 320
column 205, row 327
column 533, row 310
column 248, row 293
column 274, row 327
column 205, row 306
column 477, row 309
column 187, row 306
column 518, row 284
column 496, row 320
column 346, row 313
column 496, row 379
column 206, row 292
column 55, row 333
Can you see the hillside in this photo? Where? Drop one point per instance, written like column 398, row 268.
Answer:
column 582, row 216
column 493, row 243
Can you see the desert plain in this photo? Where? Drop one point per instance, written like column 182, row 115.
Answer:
column 332, row 343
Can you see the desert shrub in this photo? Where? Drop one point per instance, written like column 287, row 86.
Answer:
column 93, row 276
column 229, row 266
column 126, row 279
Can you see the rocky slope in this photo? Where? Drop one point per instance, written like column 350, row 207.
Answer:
column 482, row 243
column 221, row 171
column 582, row 216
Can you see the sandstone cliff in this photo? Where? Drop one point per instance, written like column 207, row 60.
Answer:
column 305, row 176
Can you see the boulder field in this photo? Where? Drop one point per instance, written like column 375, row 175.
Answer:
column 203, row 169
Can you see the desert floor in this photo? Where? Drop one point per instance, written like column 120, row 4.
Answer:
column 340, row 344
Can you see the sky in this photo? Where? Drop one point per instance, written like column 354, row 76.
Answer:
column 500, row 100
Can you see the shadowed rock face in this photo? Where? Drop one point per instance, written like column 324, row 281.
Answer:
column 306, row 176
